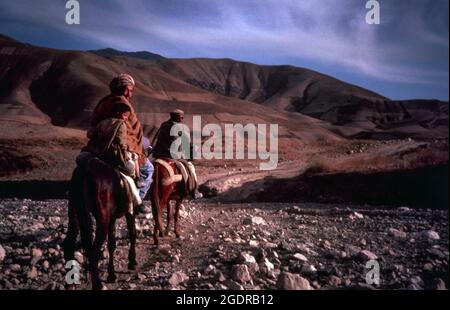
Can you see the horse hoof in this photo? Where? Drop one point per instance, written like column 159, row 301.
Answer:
column 99, row 286
column 132, row 266
column 111, row 279
column 70, row 287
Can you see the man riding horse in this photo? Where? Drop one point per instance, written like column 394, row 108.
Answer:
column 100, row 186
column 164, row 138
column 122, row 88
column 174, row 178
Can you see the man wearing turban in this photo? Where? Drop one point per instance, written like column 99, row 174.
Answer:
column 164, row 138
column 122, row 88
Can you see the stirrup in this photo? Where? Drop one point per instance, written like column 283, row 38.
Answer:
column 140, row 182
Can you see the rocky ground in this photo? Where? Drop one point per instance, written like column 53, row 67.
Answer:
column 241, row 246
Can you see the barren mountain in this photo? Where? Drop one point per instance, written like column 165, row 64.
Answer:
column 324, row 124
column 308, row 92
column 43, row 85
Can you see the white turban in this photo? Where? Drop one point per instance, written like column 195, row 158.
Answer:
column 120, row 81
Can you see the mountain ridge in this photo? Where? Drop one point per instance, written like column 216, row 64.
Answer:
column 110, row 52
column 62, row 87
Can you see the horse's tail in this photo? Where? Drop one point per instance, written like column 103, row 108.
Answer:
column 155, row 198
column 80, row 193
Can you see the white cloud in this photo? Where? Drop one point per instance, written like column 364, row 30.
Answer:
column 331, row 32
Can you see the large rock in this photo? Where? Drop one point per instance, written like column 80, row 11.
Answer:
column 36, row 255
column 32, row 274
column 240, row 273
column 398, row 234
column 15, row 267
column 45, row 265
column 438, row 284
column 308, row 269
column 417, row 280
column 79, row 257
column 253, row 243
column 300, row 257
column 429, row 235
column 254, row 220
column 334, row 281
column 177, row 278
column 337, row 254
column 290, row 281
column 404, row 209
column 2, row 253
column 266, row 266
column 356, row 216
column 367, row 255
column 246, row 258
column 233, row 285
column 219, row 276
column 352, row 250
column 437, row 253
column 210, row 269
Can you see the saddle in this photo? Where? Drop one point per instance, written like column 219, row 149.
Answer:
column 187, row 173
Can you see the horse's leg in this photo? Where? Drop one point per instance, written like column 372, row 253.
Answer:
column 177, row 218
column 70, row 240
column 169, row 218
column 72, row 234
column 100, row 236
column 163, row 202
column 111, row 248
column 132, row 232
column 157, row 216
column 155, row 234
column 82, row 202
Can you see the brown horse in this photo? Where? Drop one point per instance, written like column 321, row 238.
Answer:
column 96, row 189
column 161, row 195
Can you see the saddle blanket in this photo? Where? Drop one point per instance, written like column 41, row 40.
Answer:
column 137, row 199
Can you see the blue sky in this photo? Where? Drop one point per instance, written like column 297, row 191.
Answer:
column 405, row 57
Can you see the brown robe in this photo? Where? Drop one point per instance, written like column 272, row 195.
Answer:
column 104, row 109
column 111, row 141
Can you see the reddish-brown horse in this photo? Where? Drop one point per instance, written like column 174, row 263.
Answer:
column 161, row 195
column 96, row 189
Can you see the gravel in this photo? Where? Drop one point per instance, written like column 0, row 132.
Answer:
column 240, row 246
